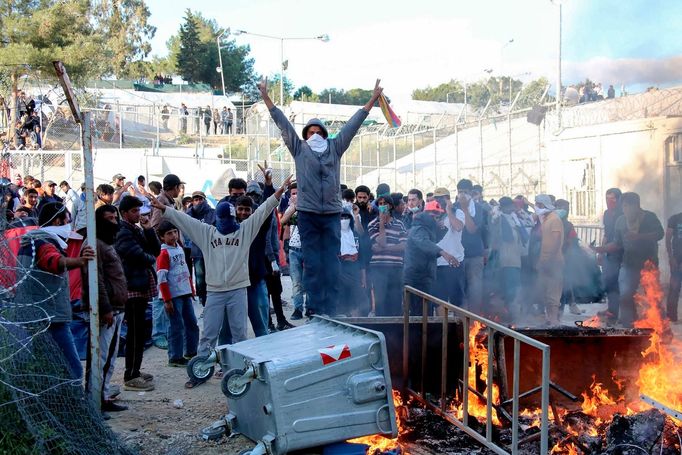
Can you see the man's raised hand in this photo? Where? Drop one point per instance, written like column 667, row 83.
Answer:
column 376, row 93
column 263, row 86
column 157, row 204
column 283, row 188
column 267, row 173
column 377, row 90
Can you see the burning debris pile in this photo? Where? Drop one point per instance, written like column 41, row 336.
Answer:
column 614, row 416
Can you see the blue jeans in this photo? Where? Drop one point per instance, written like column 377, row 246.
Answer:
column 80, row 328
column 610, row 272
column 200, row 278
column 61, row 334
column 296, row 274
column 449, row 285
column 321, row 242
column 160, row 320
column 628, row 283
column 259, row 307
column 182, row 329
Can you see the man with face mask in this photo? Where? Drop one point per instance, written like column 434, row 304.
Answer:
column 506, row 243
column 610, row 262
column 551, row 262
column 112, row 295
column 637, row 234
column 225, row 247
column 352, row 277
column 389, row 238
column 42, row 255
column 422, row 252
column 318, row 166
column 415, row 204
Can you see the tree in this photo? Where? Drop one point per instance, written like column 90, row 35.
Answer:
column 126, row 31
column 36, row 32
column 305, row 94
column 193, row 53
column 273, row 88
column 189, row 56
column 354, row 96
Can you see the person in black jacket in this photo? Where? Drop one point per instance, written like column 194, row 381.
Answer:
column 422, row 251
column 138, row 249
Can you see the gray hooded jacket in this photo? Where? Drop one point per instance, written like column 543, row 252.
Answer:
column 318, row 174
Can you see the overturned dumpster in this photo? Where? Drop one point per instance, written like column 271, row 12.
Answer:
column 313, row 385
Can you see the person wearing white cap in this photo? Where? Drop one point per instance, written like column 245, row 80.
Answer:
column 551, row 263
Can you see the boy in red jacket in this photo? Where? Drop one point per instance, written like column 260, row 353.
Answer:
column 176, row 290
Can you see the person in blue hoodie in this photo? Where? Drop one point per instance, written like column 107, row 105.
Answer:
column 318, row 167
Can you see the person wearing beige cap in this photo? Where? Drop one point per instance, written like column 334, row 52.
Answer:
column 49, row 194
column 118, row 181
column 551, row 262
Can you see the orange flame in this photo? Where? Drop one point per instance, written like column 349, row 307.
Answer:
column 659, row 375
column 379, row 442
column 478, row 357
column 594, row 321
column 598, row 397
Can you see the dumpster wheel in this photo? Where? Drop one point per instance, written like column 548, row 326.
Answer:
column 230, row 387
column 200, row 368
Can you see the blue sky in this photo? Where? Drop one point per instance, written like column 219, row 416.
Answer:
column 414, row 44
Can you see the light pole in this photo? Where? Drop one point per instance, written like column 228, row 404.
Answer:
column 225, row 32
column 558, row 70
column 324, row 38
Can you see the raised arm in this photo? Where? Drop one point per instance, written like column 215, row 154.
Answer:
column 288, row 131
column 347, row 133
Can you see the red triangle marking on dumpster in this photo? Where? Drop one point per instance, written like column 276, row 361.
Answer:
column 331, row 354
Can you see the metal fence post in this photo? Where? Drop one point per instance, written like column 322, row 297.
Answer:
column 95, row 359
column 395, row 166
column 480, row 140
column 378, row 160
column 414, row 164
column 457, row 152
column 120, row 125
column 435, row 158
column 511, row 165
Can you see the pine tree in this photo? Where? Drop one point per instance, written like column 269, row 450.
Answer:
column 190, row 52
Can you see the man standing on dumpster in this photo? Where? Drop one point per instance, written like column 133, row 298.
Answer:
column 318, row 167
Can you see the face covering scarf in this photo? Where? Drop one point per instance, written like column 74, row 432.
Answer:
column 226, row 222
column 317, row 143
column 347, row 239
column 59, row 233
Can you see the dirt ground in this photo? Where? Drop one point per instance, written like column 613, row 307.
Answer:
column 153, row 425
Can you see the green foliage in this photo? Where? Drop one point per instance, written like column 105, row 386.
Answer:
column 189, row 55
column 306, row 94
column 37, row 32
column 495, row 89
column 126, row 32
column 354, row 96
column 274, row 88
column 193, row 53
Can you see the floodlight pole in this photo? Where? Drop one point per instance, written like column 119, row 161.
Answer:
column 96, row 370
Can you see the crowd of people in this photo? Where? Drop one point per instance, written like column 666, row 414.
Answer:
column 222, row 121
column 27, row 125
column 349, row 252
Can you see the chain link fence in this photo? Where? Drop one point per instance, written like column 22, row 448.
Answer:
column 42, row 408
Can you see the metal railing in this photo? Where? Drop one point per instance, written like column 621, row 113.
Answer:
column 588, row 233
column 492, row 328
